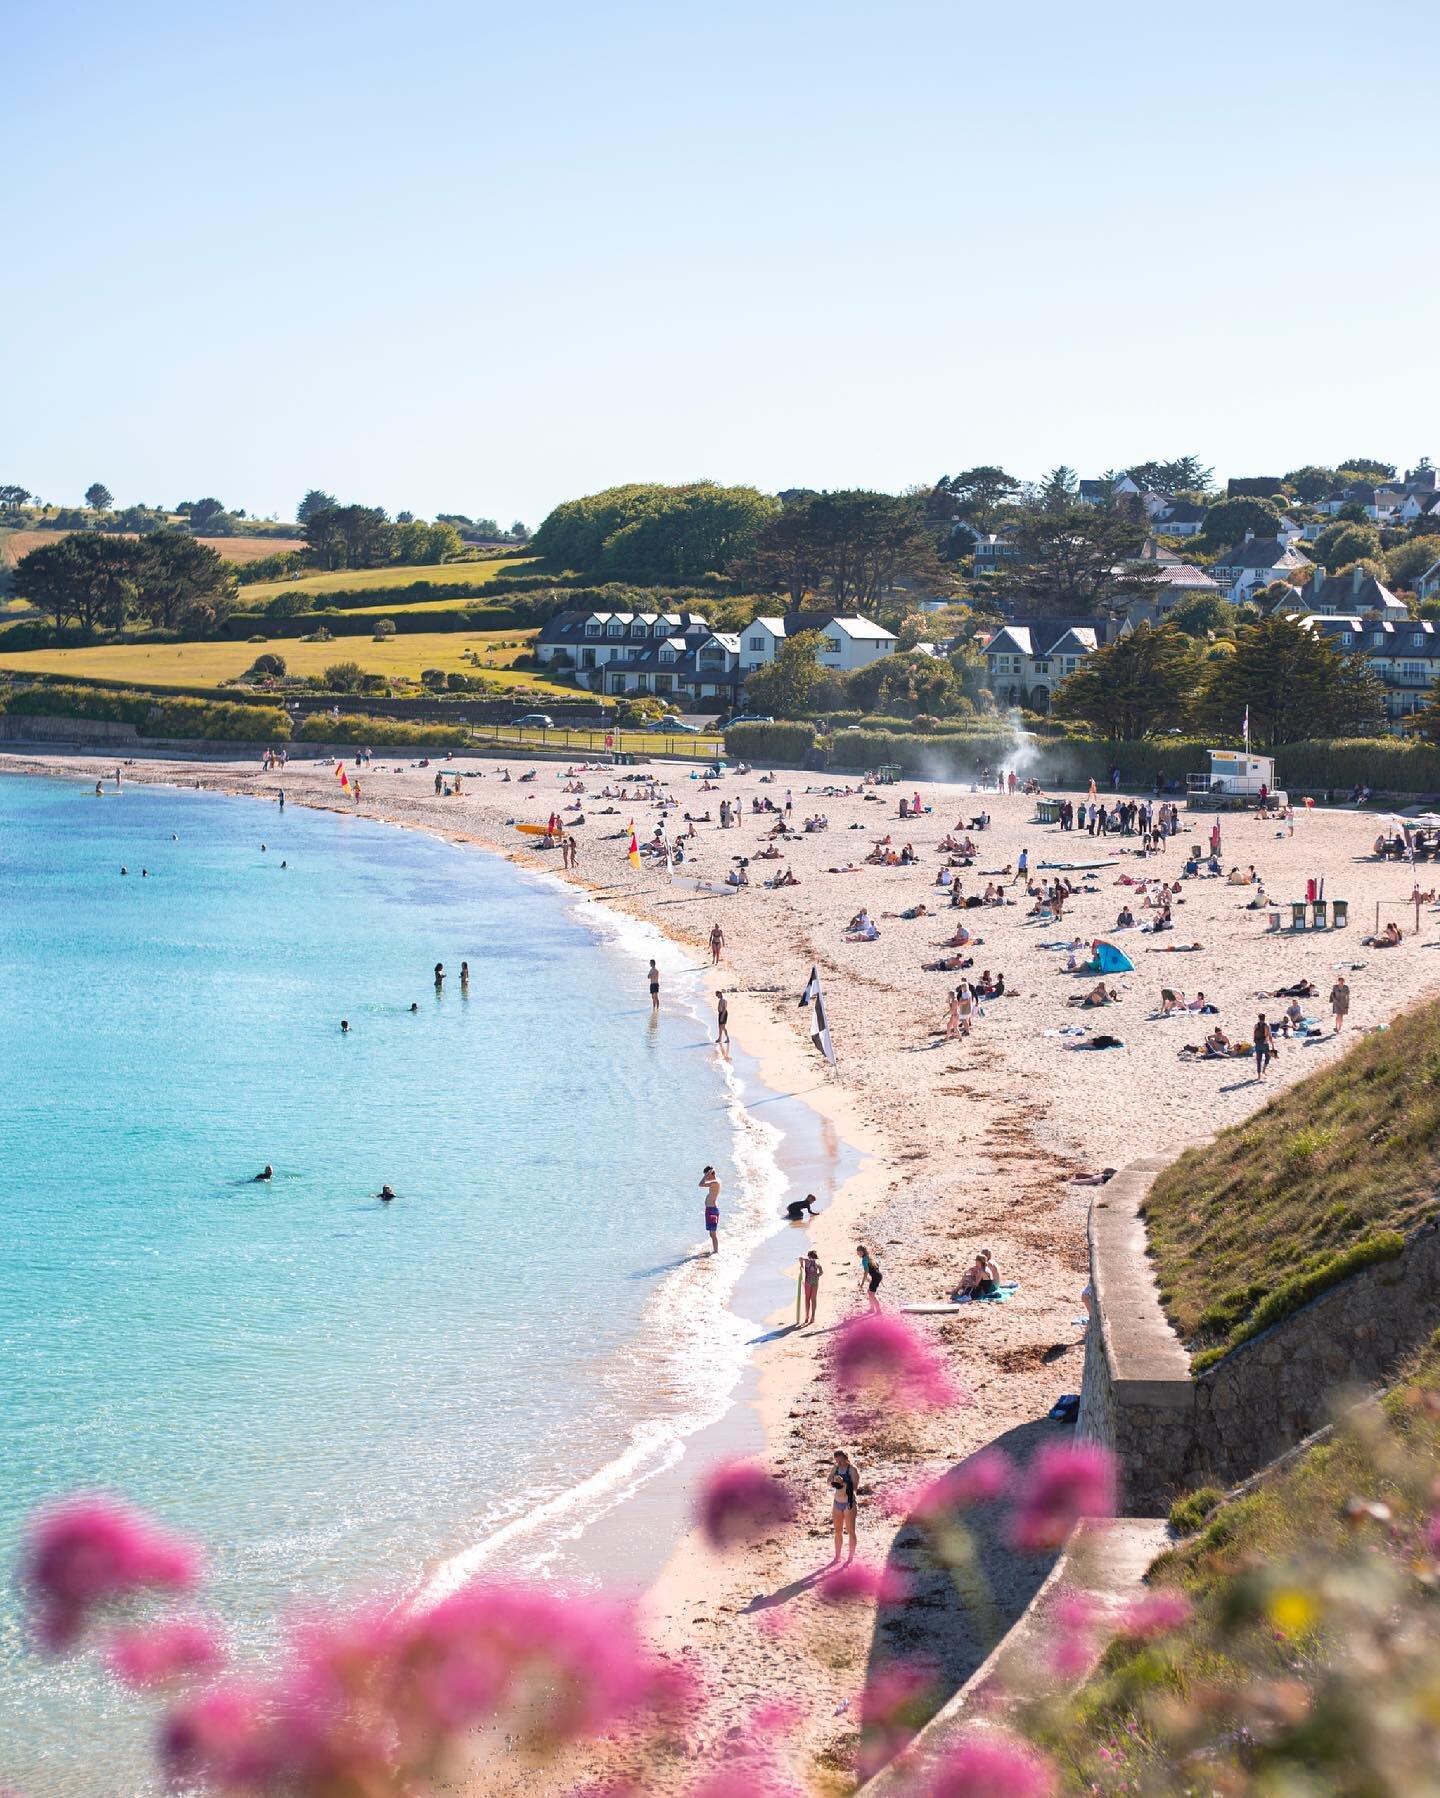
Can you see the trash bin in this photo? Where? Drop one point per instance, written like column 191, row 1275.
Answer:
column 1320, row 910
column 1274, row 917
column 1297, row 914
column 1340, row 913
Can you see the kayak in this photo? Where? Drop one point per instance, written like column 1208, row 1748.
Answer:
column 533, row 830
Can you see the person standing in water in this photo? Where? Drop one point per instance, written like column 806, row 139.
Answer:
column 282, row 799
column 811, row 1271
column 843, row 1483
column 464, row 977
column 710, row 1180
column 722, row 1019
column 439, row 975
column 654, row 987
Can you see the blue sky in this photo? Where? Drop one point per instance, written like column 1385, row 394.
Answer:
column 481, row 259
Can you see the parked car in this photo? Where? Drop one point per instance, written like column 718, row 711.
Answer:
column 535, row 721
column 671, row 723
column 745, row 718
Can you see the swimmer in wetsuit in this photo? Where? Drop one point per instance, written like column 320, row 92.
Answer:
column 268, row 1173
column 798, row 1208
column 387, row 1193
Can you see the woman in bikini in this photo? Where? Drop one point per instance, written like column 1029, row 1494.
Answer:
column 843, row 1482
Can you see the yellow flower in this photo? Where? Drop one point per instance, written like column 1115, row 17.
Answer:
column 1291, row 1611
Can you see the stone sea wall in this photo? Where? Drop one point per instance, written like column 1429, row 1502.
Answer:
column 1171, row 1433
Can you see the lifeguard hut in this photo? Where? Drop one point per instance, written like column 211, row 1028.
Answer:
column 1236, row 780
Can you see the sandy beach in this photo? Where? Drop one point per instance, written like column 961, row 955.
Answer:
column 967, row 1144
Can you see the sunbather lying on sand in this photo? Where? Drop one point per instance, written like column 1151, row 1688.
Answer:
column 1173, row 948
column 1389, row 938
column 1099, row 994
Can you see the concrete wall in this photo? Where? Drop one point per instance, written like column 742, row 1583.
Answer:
column 1171, row 1433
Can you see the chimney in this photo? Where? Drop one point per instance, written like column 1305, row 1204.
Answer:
column 1249, row 536
column 1318, row 580
column 1357, row 578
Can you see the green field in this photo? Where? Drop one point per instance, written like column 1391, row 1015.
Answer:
column 212, row 664
column 356, row 580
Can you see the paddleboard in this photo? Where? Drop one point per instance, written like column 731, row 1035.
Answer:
column 533, row 830
column 1076, row 867
column 932, row 1310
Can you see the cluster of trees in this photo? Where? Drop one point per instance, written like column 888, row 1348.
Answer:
column 1294, row 683
column 854, row 546
column 364, row 537
column 650, row 532
column 99, row 582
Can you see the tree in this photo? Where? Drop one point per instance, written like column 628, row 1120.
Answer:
column 1228, row 520
column 287, row 605
column 1185, row 474
column 203, row 513
column 1311, row 482
column 979, row 493
column 99, row 497
column 784, row 688
column 344, row 677
column 652, row 532
column 85, row 578
column 1059, row 488
column 1295, row 683
column 1344, row 541
column 182, row 581
column 350, row 537
column 1426, row 723
column 316, row 500
column 12, row 497
column 906, row 683
column 1132, row 686
column 1204, row 615
column 1405, row 564
column 1072, row 559
column 1364, row 468
column 404, row 518
column 520, row 531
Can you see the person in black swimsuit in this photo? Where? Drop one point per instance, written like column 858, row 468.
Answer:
column 870, row 1274
column 798, row 1208
column 842, row 1510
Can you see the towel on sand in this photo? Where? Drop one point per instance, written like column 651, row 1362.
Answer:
column 1007, row 1290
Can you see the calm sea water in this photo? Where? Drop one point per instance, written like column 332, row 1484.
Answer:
column 337, row 1395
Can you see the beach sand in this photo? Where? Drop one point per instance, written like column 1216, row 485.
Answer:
column 966, row 1145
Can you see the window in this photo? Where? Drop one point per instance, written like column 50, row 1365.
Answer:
column 1417, row 641
column 1042, row 667
column 667, row 656
column 832, row 646
column 1347, row 637
column 1069, row 664
column 615, row 628
column 757, row 644
column 592, row 629
column 638, row 630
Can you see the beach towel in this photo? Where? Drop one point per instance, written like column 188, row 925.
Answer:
column 1006, row 1290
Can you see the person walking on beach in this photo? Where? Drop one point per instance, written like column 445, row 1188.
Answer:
column 870, row 1275
column 1264, row 1045
column 1022, row 868
column 1339, row 1001
column 717, row 943
column 654, row 987
column 843, row 1483
column 952, row 1023
column 711, row 1182
column 722, row 1019
column 811, row 1271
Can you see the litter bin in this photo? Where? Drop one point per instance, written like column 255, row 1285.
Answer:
column 1297, row 914
column 1340, row 913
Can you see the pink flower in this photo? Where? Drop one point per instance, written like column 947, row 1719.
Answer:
column 157, row 1653
column 992, row 1765
column 1157, row 1613
column 745, row 1779
column 979, row 1480
column 882, row 1364
column 776, row 1717
column 1432, row 1535
column 1073, row 1617
column 88, row 1550
column 740, row 1503
column 1063, row 1483
column 899, row 1699
column 210, row 1737
column 882, row 1585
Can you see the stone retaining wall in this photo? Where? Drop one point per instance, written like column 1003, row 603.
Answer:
column 1171, row 1433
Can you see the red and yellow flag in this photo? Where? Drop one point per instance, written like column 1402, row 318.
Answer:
column 633, row 852
column 344, row 778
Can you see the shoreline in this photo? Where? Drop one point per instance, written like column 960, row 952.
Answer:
column 973, row 1143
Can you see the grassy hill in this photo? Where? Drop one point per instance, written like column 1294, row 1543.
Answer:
column 14, row 544
column 1311, row 1658
column 355, row 580
column 1317, row 1183
column 212, row 664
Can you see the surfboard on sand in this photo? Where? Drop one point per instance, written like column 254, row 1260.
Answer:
column 932, row 1310
column 1076, row 867
column 533, row 830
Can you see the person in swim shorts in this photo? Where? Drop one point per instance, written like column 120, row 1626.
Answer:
column 711, row 1182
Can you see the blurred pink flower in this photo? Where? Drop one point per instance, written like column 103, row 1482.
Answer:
column 1073, row 1617
column 1432, row 1534
column 90, row 1549
column 211, row 1736
column 992, row 1765
column 745, row 1779
column 1157, row 1613
column 881, row 1363
column 1064, row 1482
column 155, row 1654
column 740, row 1503
column 882, row 1585
column 898, row 1700
column 982, row 1478
column 776, row 1716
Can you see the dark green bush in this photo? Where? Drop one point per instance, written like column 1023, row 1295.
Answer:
column 153, row 715
column 785, row 743
column 1190, row 1511
column 361, row 728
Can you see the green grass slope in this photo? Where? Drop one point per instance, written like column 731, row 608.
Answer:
column 1331, row 1175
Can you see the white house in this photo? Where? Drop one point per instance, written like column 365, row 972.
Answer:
column 1340, row 595
column 1028, row 661
column 849, row 642
column 1165, row 582
column 1405, row 656
column 1180, row 518
column 1257, row 562
column 1428, row 584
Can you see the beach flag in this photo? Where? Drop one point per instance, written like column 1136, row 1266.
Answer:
column 344, row 778
column 820, row 1028
column 339, row 770
column 633, row 852
column 1245, row 728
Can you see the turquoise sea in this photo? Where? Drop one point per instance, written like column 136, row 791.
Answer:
column 337, row 1395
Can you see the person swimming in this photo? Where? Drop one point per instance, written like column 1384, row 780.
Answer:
column 267, row 1173
column 798, row 1208
column 414, row 1006
column 386, row 1193
column 344, row 1026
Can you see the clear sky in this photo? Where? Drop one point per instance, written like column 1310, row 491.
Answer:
column 460, row 257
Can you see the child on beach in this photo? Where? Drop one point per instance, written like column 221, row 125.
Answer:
column 811, row 1269
column 870, row 1275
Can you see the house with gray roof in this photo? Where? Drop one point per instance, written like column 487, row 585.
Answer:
column 1257, row 562
column 1337, row 595
column 846, row 642
column 1405, row 657
column 1028, row 661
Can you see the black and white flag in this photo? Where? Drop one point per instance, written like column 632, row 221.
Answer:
column 820, row 1029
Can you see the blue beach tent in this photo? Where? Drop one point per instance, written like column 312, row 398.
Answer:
column 1107, row 959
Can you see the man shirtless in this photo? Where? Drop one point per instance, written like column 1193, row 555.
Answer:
column 710, row 1180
